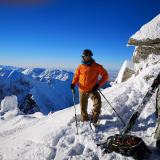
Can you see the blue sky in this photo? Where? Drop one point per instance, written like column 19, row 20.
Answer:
column 54, row 34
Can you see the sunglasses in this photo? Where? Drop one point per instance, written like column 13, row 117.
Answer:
column 84, row 56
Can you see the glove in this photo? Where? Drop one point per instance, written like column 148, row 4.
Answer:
column 72, row 86
column 95, row 87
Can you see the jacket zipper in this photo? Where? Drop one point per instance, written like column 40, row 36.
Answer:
column 85, row 79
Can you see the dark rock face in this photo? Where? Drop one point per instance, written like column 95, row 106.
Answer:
column 127, row 74
column 29, row 106
column 146, row 42
column 142, row 53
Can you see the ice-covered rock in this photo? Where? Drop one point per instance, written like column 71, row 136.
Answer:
column 146, row 40
column 9, row 103
column 151, row 30
column 125, row 72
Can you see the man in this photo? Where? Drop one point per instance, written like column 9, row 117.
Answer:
column 87, row 75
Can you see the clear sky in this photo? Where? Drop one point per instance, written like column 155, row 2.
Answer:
column 53, row 34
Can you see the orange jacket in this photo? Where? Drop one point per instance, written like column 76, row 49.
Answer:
column 87, row 76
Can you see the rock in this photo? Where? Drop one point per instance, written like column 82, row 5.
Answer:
column 155, row 43
column 148, row 77
column 127, row 74
column 28, row 105
column 146, row 40
column 142, row 53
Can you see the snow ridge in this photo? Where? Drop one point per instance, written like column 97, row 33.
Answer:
column 150, row 30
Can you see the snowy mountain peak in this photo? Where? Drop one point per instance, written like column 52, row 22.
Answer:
column 147, row 50
column 146, row 40
column 31, row 71
column 41, row 73
column 150, row 30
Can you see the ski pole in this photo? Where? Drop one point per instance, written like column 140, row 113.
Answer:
column 75, row 110
column 111, row 106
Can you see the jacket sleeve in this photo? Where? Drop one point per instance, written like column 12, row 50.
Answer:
column 76, row 76
column 104, row 75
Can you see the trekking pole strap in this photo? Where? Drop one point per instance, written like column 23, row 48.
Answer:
column 111, row 106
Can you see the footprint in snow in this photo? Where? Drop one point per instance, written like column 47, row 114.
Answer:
column 71, row 139
column 57, row 138
column 73, row 119
column 76, row 150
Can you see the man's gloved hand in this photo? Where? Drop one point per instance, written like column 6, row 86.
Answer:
column 95, row 87
column 72, row 86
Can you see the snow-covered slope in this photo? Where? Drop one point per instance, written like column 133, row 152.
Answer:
column 150, row 30
column 52, row 136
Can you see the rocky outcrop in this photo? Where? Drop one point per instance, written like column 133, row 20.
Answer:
column 147, row 48
column 127, row 74
column 142, row 52
column 28, row 105
column 146, row 40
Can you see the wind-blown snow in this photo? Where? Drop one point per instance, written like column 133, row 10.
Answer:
column 52, row 136
column 9, row 103
column 150, row 30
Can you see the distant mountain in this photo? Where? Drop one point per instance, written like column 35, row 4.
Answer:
column 37, row 89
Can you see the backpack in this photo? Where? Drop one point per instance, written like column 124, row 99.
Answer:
column 127, row 145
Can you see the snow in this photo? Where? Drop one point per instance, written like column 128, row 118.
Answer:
column 151, row 60
column 126, row 64
column 150, row 30
column 9, row 103
column 53, row 136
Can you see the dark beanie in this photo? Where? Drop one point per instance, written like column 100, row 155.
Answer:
column 87, row 52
